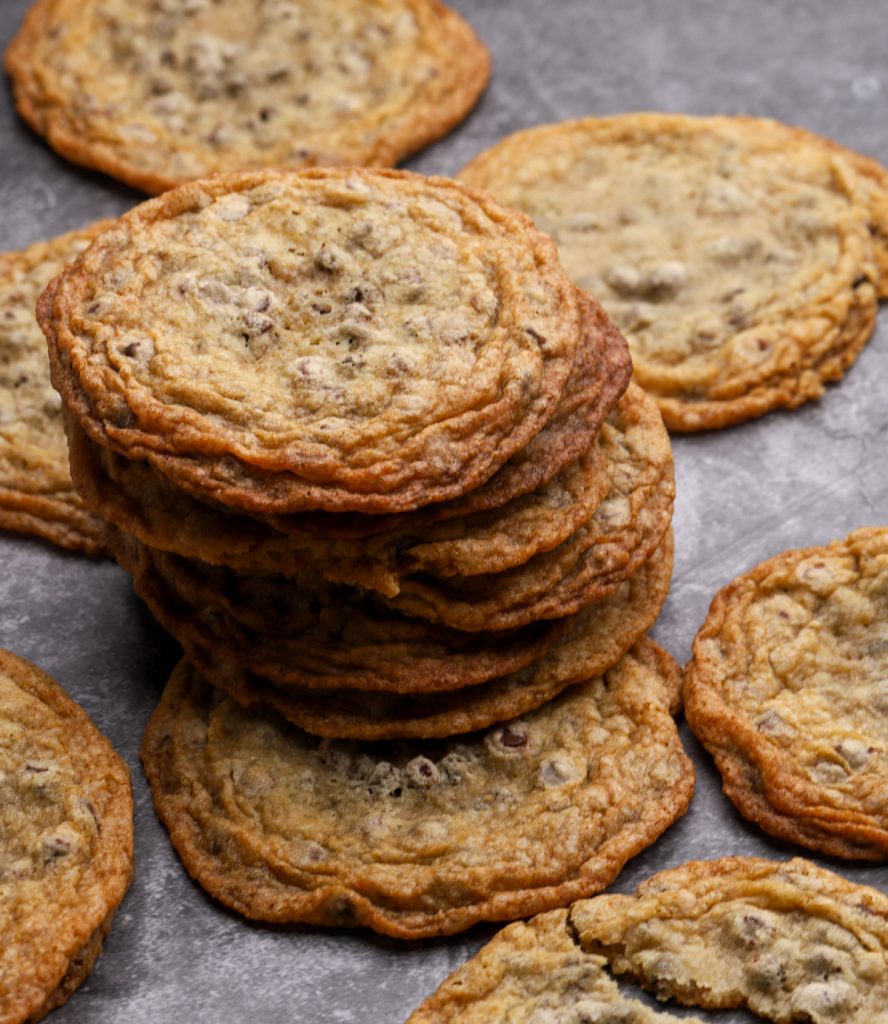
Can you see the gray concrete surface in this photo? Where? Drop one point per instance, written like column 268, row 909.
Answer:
column 743, row 494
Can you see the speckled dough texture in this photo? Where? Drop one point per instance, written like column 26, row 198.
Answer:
column 159, row 92
column 535, row 972
column 742, row 258
column 36, row 493
column 333, row 338
column 789, row 941
column 786, row 689
column 374, row 551
column 585, row 645
column 619, row 536
column 66, row 841
column 421, row 839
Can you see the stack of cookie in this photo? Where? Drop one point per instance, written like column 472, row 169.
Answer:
column 373, row 461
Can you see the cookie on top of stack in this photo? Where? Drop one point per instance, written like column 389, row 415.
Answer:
column 376, row 464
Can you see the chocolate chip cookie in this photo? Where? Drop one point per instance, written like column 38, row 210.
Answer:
column 36, row 493
column 789, row 941
column 66, row 841
column 786, row 691
column 342, row 339
column 158, row 92
column 742, row 258
column 417, row 839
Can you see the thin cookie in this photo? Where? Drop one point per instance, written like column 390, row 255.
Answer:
column 742, row 258
column 159, row 93
column 789, row 941
column 345, row 339
column 36, row 493
column 66, row 841
column 786, row 690
column 416, row 839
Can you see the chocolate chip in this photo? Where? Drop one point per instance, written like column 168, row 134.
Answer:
column 55, row 847
column 513, row 737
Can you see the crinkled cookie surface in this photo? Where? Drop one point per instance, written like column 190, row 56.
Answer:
column 787, row 690
column 36, row 493
column 789, row 941
column 344, row 339
column 742, row 258
column 622, row 532
column 66, row 841
column 416, row 840
column 158, row 92
column 140, row 501
column 535, row 972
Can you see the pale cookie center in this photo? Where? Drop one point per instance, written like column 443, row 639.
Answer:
column 329, row 312
column 267, row 75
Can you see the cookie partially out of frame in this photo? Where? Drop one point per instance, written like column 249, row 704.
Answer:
column 417, row 839
column 36, row 493
column 66, row 841
column 345, row 339
column 786, row 689
column 789, row 941
column 585, row 645
column 742, row 258
column 158, row 93
column 130, row 494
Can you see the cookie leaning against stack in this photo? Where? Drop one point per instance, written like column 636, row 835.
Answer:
column 66, row 841
column 743, row 258
column 158, row 93
column 369, row 457
column 36, row 493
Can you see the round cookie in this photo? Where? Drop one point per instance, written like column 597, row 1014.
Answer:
column 620, row 536
column 789, row 941
column 158, row 93
column 343, row 339
column 66, row 841
column 742, row 258
column 786, row 689
column 422, row 839
column 140, row 501
column 36, row 493
column 586, row 645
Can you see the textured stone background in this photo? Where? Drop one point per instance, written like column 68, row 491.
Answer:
column 784, row 481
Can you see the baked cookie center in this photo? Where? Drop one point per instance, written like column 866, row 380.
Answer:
column 333, row 313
